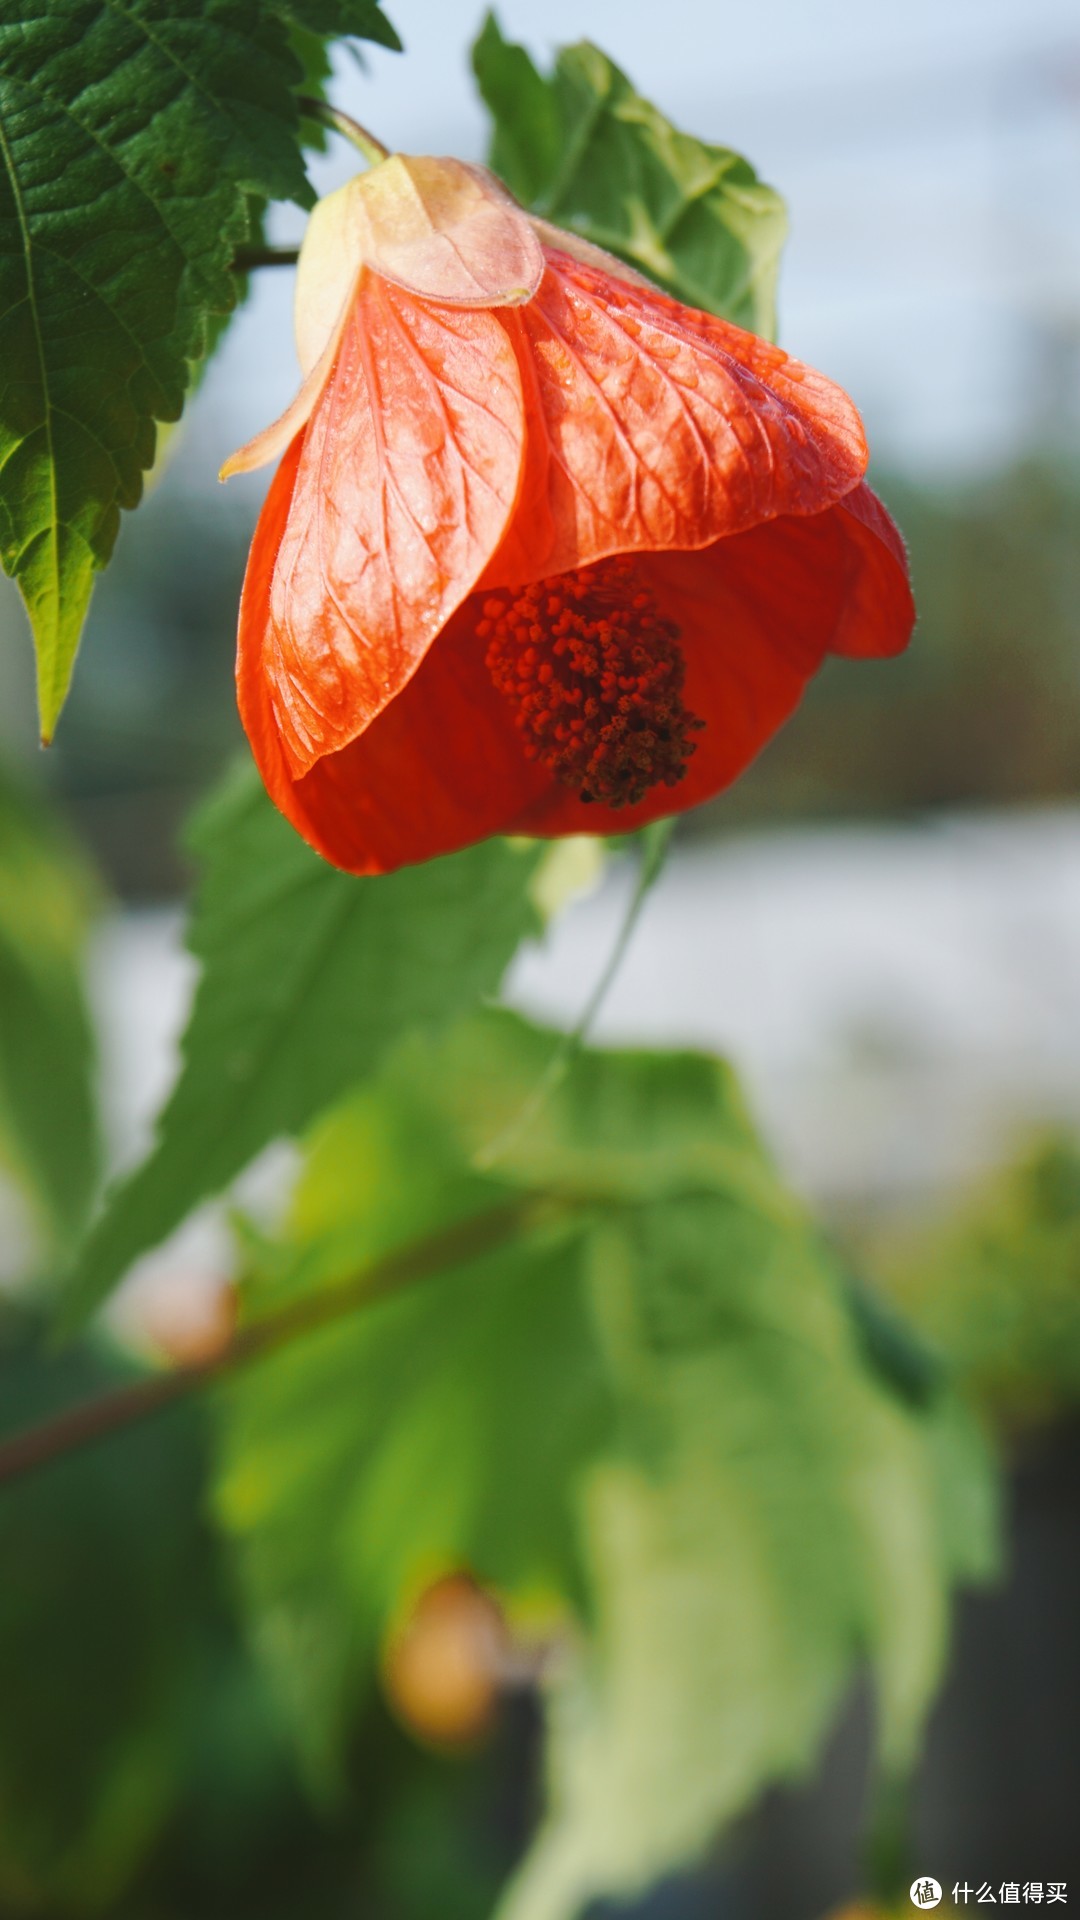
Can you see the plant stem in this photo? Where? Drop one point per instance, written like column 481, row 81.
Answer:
column 655, row 840
column 81, row 1426
column 343, row 123
column 248, row 258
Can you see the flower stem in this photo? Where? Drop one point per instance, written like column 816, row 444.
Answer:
column 654, row 842
column 137, row 1400
column 343, row 123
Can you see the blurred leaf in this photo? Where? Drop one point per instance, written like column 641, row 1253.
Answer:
column 134, row 142
column 103, row 1580
column 526, row 143
column 309, row 975
column 143, row 1768
column 631, row 1126
column 654, row 1407
column 444, row 1430
column 774, row 1515
column 585, row 151
column 889, row 1344
column 996, row 1287
column 48, row 1124
column 395, row 1480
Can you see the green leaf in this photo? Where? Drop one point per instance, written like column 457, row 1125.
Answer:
column 48, row 1123
column 994, row 1285
column 144, row 1766
column 584, row 150
column 444, row 1429
column 309, row 975
column 135, row 142
column 632, row 1126
column 526, row 142
column 311, row 25
column 783, row 1521
column 656, row 1406
column 341, row 19
column 344, row 1515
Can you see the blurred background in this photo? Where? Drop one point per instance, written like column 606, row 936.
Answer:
column 881, row 925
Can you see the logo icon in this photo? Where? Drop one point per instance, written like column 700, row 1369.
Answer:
column 925, row 1892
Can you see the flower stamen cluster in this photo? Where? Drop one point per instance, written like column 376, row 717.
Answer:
column 595, row 677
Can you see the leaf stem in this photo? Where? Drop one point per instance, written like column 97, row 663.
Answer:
column 343, row 123
column 654, row 841
column 248, row 258
column 124, row 1406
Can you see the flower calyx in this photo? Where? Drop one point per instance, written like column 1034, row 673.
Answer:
column 439, row 228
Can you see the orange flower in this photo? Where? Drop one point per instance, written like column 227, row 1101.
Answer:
column 547, row 551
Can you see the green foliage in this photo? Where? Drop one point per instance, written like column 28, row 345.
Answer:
column 48, row 1124
column 996, row 1287
column 779, row 1519
column 135, row 145
column 337, row 19
column 312, row 24
column 654, row 1415
column 98, row 1633
column 584, row 150
column 653, row 1407
column 143, row 1768
column 308, row 976
column 445, row 1430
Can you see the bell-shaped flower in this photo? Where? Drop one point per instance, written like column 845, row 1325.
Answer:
column 547, row 552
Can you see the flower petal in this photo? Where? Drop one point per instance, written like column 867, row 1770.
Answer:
column 382, row 520
column 441, row 768
column 273, row 440
column 437, row 228
column 560, row 240
column 252, row 692
column 757, row 615
column 652, row 426
column 879, row 612
column 443, row 765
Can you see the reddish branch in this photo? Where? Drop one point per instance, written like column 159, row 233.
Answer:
column 110, row 1412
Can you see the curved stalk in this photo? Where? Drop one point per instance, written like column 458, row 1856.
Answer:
column 343, row 123
column 137, row 1400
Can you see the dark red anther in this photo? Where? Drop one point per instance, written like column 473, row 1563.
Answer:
column 595, row 677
